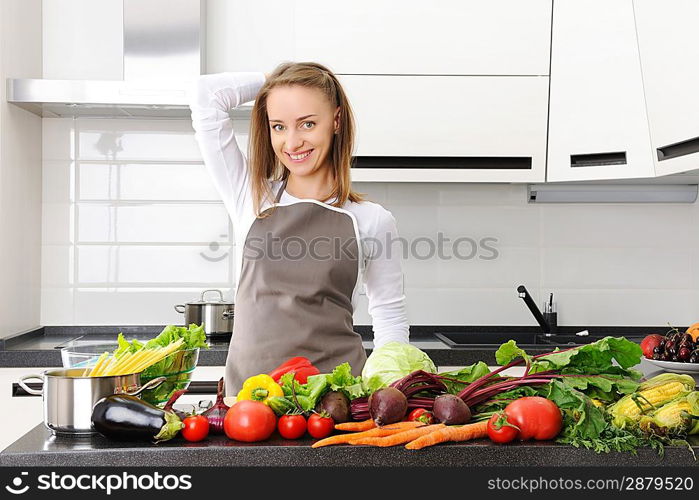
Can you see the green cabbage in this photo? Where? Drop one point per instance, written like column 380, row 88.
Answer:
column 393, row 361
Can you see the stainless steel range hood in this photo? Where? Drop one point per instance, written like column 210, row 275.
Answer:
column 164, row 50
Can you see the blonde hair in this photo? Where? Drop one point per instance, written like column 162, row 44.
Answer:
column 263, row 162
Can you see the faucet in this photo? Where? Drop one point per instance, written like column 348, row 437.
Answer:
column 524, row 294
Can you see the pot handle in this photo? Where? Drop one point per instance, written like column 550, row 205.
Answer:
column 177, row 308
column 219, row 292
column 151, row 384
column 228, row 314
column 31, row 391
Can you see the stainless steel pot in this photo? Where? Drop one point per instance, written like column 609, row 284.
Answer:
column 216, row 315
column 69, row 397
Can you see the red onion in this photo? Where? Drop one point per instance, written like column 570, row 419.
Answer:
column 217, row 412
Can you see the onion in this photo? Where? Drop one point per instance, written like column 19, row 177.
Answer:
column 217, row 412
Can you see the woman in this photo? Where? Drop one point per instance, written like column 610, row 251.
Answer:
column 303, row 237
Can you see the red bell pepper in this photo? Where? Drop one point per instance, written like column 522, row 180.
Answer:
column 302, row 368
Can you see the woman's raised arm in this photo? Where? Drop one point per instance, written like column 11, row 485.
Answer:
column 210, row 99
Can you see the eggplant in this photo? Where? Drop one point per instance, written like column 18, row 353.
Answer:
column 128, row 418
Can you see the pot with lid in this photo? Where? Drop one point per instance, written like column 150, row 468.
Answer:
column 216, row 315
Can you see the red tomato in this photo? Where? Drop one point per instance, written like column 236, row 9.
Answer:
column 500, row 430
column 249, row 421
column 196, row 428
column 320, row 427
column 421, row 415
column 537, row 418
column 292, row 426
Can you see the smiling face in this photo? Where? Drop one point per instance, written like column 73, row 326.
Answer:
column 302, row 124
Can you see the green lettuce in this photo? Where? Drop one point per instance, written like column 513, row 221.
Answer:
column 393, row 361
column 193, row 336
column 308, row 394
column 126, row 346
column 341, row 379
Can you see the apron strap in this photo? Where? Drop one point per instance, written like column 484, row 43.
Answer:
column 281, row 190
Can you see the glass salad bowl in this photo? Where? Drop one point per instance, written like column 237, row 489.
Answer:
column 177, row 368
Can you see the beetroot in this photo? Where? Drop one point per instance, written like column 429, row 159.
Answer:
column 451, row 410
column 388, row 406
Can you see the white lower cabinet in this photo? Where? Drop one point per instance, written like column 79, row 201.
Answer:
column 598, row 128
column 19, row 414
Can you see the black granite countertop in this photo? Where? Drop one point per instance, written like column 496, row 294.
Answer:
column 41, row 347
column 40, row 448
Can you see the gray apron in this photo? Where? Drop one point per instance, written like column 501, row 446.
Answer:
column 294, row 298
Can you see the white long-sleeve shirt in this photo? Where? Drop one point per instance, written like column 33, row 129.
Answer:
column 211, row 98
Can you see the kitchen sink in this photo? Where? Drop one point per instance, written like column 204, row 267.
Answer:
column 586, row 339
column 462, row 340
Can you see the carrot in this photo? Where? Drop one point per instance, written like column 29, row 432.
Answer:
column 451, row 433
column 399, row 438
column 356, row 426
column 377, row 432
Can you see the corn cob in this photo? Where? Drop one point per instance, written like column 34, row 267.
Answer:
column 680, row 416
column 651, row 395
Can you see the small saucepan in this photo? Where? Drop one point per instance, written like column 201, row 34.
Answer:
column 216, row 315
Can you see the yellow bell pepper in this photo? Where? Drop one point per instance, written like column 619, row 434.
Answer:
column 260, row 388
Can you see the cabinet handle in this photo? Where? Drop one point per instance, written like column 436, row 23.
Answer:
column 445, row 162
column 34, row 389
column 598, row 159
column 684, row 148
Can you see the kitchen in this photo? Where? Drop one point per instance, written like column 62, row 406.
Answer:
column 557, row 145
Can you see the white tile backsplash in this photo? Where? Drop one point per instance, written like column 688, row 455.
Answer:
column 144, row 140
column 512, row 226
column 145, row 181
column 57, row 226
column 618, row 268
column 58, row 142
column 152, row 233
column 132, row 306
column 153, row 223
column 616, row 225
column 57, row 179
column 141, row 264
column 627, row 307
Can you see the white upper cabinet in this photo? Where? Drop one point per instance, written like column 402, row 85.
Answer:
column 481, row 129
column 448, row 37
column 668, row 39
column 598, row 128
column 247, row 35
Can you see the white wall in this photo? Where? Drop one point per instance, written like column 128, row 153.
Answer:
column 132, row 226
column 20, row 171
